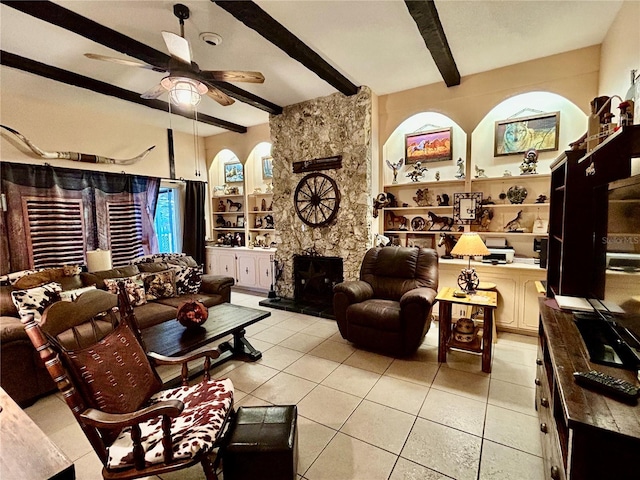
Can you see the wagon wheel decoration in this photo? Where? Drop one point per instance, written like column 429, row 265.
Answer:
column 317, row 199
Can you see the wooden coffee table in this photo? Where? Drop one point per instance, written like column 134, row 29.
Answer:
column 173, row 339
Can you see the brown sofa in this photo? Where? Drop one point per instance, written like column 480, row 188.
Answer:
column 389, row 308
column 23, row 376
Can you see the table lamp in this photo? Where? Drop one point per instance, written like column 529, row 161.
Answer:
column 469, row 244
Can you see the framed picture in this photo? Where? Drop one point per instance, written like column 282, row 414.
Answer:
column 267, row 167
column 466, row 207
column 233, row 172
column 421, row 241
column 240, row 221
column 432, row 146
column 517, row 135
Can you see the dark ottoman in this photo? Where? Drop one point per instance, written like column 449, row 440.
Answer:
column 263, row 444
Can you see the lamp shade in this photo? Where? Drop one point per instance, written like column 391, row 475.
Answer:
column 470, row 244
column 184, row 91
column 98, row 260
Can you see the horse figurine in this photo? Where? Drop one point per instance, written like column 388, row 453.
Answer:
column 418, row 172
column 236, row 205
column 392, row 220
column 449, row 241
column 445, row 222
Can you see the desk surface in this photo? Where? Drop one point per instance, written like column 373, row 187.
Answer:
column 483, row 298
column 25, row 451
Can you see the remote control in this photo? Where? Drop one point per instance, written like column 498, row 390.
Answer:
column 603, row 383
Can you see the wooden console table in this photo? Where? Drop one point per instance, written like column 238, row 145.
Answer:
column 485, row 299
column 25, row 451
column 585, row 435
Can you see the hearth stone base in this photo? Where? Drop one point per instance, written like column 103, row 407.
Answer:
column 290, row 305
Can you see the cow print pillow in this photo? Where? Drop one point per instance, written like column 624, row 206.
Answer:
column 134, row 286
column 35, row 300
column 188, row 279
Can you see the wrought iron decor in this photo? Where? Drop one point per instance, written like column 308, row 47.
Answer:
column 466, row 207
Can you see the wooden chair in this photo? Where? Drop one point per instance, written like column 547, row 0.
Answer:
column 94, row 354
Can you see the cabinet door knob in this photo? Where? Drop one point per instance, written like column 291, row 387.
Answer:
column 544, row 402
column 226, row 268
column 266, row 272
column 555, row 473
column 247, row 270
column 537, row 382
column 543, row 427
column 538, row 361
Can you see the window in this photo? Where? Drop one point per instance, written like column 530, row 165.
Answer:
column 168, row 220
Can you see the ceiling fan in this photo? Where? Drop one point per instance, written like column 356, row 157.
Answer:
column 185, row 77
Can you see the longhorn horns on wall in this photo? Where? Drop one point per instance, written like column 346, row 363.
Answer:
column 75, row 156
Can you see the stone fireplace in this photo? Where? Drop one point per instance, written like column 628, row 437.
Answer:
column 322, row 128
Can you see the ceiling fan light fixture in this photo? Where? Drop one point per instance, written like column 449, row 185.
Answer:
column 184, row 91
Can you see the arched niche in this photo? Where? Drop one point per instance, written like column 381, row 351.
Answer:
column 572, row 125
column 216, row 170
column 393, row 148
column 256, row 174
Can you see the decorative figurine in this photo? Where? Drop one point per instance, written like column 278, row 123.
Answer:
column 395, row 167
column 541, row 198
column 438, row 176
column 449, row 241
column 480, row 172
column 263, row 205
column 422, row 197
column 257, row 190
column 269, row 188
column 460, row 173
column 258, row 222
column 236, row 205
column 418, row 172
column 443, row 200
column 486, row 215
column 506, row 173
column 445, row 223
column 514, row 225
column 268, row 219
column 220, row 221
column 221, row 206
column 382, row 200
column 529, row 163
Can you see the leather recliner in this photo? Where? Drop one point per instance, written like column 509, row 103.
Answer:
column 389, row 309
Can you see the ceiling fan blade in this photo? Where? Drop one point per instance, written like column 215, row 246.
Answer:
column 220, row 97
column 154, row 92
column 122, row 61
column 178, row 47
column 233, row 76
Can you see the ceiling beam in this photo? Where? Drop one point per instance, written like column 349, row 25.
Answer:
column 425, row 15
column 257, row 19
column 85, row 27
column 70, row 78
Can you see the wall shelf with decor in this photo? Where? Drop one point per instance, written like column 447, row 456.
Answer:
column 260, row 220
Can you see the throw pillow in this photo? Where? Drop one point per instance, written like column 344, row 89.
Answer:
column 71, row 295
column 12, row 278
column 156, row 257
column 35, row 300
column 159, row 285
column 133, row 285
column 186, row 261
column 188, row 279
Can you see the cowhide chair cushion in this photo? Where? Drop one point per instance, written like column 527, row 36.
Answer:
column 206, row 406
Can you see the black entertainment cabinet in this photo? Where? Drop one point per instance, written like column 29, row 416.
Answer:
column 585, row 435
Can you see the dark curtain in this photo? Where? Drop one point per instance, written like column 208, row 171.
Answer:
column 55, row 215
column 194, row 221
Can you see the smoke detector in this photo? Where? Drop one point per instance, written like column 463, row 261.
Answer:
column 211, row 38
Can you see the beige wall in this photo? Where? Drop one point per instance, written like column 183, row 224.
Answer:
column 241, row 144
column 621, row 52
column 73, row 127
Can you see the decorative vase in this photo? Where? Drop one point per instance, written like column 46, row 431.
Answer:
column 192, row 314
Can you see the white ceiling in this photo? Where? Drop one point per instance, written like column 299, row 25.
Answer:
column 373, row 43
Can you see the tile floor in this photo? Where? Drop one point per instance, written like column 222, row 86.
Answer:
column 367, row 416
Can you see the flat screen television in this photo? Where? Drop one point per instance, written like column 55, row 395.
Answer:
column 612, row 335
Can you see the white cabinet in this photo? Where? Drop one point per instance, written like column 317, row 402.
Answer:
column 517, row 295
column 250, row 267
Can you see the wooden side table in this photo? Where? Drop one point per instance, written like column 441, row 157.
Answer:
column 485, row 299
